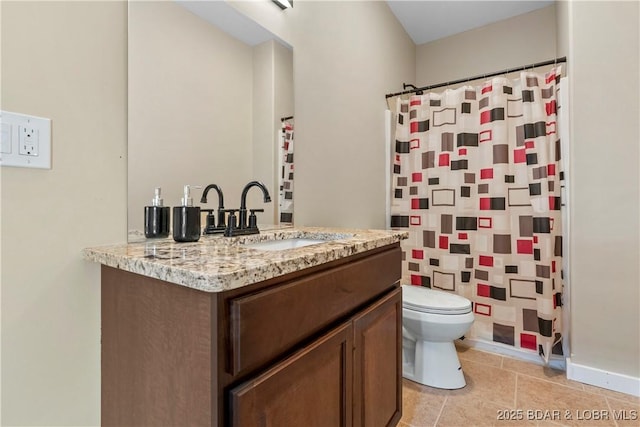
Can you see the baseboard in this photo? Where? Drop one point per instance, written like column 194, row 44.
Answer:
column 555, row 362
column 604, row 379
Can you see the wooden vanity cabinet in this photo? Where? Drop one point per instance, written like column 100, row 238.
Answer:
column 348, row 377
column 318, row 347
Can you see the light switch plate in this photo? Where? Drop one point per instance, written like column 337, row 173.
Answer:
column 26, row 141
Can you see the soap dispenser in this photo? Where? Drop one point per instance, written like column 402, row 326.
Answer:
column 186, row 219
column 156, row 217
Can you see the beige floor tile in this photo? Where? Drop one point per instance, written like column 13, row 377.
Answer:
column 467, row 353
column 624, row 413
column 487, row 383
column 566, row 406
column 548, row 424
column 473, row 411
column 539, row 371
column 420, row 405
column 613, row 394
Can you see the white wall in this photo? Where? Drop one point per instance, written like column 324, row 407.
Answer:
column 603, row 41
column 347, row 56
column 523, row 39
column 263, row 164
column 190, row 108
column 65, row 61
column 272, row 99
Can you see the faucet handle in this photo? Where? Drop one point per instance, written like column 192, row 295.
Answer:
column 231, row 224
column 253, row 220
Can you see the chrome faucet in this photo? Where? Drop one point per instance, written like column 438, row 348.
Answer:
column 242, row 217
column 211, row 228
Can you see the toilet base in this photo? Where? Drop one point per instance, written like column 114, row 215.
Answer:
column 434, row 364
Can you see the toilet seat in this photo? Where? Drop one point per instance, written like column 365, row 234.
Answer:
column 426, row 300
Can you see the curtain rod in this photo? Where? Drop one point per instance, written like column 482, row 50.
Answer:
column 286, row 118
column 481, row 76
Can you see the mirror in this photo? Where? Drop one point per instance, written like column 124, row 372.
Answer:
column 204, row 106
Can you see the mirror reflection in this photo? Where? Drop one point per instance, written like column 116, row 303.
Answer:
column 206, row 108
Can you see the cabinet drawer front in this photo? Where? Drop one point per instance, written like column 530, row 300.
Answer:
column 312, row 388
column 266, row 324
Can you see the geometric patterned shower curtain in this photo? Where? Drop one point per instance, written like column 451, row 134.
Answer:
column 477, row 183
column 286, row 173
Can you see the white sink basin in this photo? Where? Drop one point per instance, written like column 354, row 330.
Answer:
column 281, row 245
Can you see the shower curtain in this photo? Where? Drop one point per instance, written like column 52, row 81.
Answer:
column 477, row 180
column 286, row 173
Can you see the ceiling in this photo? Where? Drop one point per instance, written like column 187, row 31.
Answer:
column 426, row 21
column 224, row 16
column 423, row 20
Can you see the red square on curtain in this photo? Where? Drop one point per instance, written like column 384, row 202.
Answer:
column 485, row 116
column 524, row 246
column 397, row 157
column 486, row 135
column 483, row 309
column 485, row 203
column 463, row 236
column 487, row 261
column 417, row 254
column 519, row 156
column 486, row 173
column 416, row 280
column 415, row 102
column 286, row 146
column 551, row 128
column 553, row 266
column 414, row 127
column 551, row 170
column 529, row 144
column 444, row 242
column 528, row 341
column 535, row 239
column 550, row 107
column 416, row 177
column 484, row 290
column 485, row 222
column 550, row 77
column 414, row 144
column 415, row 203
column 487, row 88
column 444, row 159
column 415, row 220
column 462, row 151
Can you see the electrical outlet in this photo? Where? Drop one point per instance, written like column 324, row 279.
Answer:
column 26, row 141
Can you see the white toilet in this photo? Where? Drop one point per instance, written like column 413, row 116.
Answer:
column 431, row 320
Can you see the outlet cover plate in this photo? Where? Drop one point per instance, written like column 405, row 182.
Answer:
column 26, row 141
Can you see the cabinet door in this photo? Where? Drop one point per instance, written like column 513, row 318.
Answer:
column 377, row 368
column 311, row 388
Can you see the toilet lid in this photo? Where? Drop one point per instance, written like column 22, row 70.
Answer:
column 427, row 300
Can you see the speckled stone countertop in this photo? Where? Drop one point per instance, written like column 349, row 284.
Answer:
column 217, row 263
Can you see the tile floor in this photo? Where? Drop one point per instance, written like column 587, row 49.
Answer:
column 499, row 385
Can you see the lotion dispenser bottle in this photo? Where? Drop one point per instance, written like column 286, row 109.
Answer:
column 186, row 219
column 156, row 217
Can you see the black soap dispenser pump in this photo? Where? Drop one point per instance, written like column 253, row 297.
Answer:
column 186, row 219
column 156, row 217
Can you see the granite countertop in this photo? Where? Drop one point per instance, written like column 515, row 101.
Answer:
column 216, row 263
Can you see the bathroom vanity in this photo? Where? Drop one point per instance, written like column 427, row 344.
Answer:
column 227, row 332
